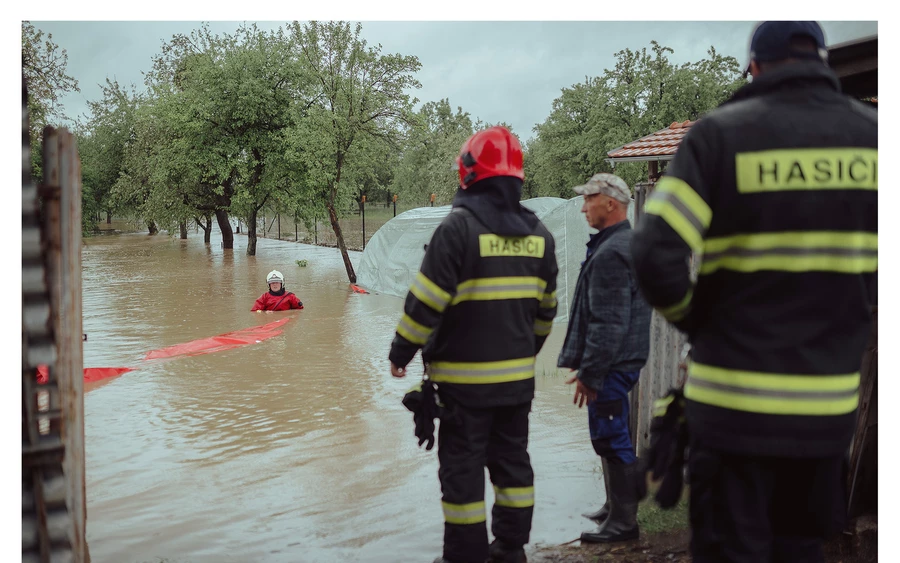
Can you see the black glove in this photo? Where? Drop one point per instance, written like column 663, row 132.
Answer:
column 668, row 441
column 421, row 400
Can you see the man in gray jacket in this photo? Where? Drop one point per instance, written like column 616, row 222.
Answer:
column 607, row 342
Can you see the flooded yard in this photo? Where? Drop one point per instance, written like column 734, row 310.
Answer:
column 295, row 449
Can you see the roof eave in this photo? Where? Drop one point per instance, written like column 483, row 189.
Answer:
column 651, row 158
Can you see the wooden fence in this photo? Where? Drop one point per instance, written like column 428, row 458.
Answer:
column 54, row 507
column 661, row 372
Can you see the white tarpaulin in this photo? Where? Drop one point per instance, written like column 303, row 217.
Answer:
column 394, row 254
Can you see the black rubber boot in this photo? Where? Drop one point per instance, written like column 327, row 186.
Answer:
column 621, row 524
column 603, row 513
column 500, row 552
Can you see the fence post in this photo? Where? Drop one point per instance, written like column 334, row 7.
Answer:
column 395, row 205
column 362, row 207
column 658, row 326
column 71, row 347
column 62, row 188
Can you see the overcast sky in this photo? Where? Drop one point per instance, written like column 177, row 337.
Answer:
column 496, row 71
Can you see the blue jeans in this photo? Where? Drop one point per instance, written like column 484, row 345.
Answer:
column 608, row 418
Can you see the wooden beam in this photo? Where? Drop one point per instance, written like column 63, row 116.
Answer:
column 71, row 360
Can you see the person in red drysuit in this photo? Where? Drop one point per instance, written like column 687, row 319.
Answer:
column 276, row 299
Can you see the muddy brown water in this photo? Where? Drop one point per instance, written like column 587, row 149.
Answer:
column 295, row 449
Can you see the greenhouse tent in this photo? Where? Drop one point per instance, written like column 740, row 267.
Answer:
column 393, row 255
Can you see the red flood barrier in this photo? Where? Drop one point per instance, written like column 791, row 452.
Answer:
column 227, row 341
column 221, row 342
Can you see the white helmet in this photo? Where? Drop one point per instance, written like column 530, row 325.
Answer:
column 275, row 276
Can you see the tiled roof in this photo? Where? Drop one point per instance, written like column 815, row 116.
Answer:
column 662, row 143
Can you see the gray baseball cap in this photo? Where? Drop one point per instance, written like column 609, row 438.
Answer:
column 606, row 184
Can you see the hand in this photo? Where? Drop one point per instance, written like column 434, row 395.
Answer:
column 259, row 310
column 397, row 371
column 583, row 393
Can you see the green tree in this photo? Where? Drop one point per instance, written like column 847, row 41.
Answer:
column 360, row 97
column 108, row 131
column 426, row 166
column 44, row 70
column 231, row 100
column 642, row 93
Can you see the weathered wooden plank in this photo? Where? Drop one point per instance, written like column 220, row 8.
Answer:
column 71, row 382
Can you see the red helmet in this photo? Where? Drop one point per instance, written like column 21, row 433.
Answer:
column 492, row 152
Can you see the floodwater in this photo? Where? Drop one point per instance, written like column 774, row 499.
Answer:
column 295, row 449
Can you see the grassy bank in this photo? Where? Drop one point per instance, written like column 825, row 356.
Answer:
column 665, row 536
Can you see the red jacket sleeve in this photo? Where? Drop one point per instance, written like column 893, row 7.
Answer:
column 260, row 304
column 295, row 302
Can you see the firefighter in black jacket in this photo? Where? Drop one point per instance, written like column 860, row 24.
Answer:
column 777, row 191
column 481, row 308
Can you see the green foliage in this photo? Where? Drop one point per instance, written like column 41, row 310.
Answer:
column 433, row 143
column 643, row 93
column 358, row 109
column 44, row 71
column 305, row 120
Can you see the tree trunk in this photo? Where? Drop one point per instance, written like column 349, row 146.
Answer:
column 207, row 228
column 151, row 226
column 225, row 227
column 108, row 218
column 251, row 234
column 183, row 227
column 332, row 214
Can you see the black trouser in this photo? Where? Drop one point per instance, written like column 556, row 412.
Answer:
column 749, row 509
column 468, row 440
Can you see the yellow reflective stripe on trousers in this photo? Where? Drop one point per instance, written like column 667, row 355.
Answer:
column 844, row 168
column 413, row 331
column 682, row 208
column 482, row 372
column 514, row 497
column 471, row 513
column 773, row 393
column 848, row 252
column 677, row 311
column 430, row 293
column 492, row 289
column 542, row 327
column 548, row 300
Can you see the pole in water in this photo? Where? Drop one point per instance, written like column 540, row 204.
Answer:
column 362, row 206
column 395, row 205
